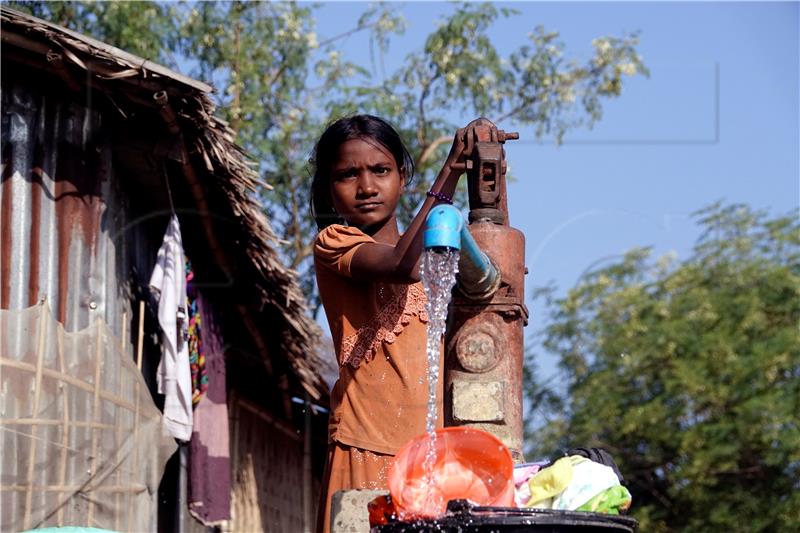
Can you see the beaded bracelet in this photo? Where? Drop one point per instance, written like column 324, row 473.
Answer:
column 442, row 197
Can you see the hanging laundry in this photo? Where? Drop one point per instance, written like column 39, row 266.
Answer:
column 168, row 284
column 616, row 500
column 209, row 487
column 588, row 480
column 197, row 358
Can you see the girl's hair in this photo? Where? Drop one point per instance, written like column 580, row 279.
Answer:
column 327, row 150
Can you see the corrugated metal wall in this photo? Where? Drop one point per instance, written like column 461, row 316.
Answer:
column 64, row 227
column 67, row 234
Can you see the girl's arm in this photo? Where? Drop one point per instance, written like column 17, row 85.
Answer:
column 399, row 263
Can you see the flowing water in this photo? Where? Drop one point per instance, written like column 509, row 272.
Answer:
column 438, row 272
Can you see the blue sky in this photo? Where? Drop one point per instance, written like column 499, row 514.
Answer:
column 716, row 120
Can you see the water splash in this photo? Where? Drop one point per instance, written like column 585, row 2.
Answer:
column 438, row 270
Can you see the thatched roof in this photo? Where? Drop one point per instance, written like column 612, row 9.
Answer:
column 221, row 166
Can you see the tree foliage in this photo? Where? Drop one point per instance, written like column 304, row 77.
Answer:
column 689, row 374
column 280, row 83
column 147, row 29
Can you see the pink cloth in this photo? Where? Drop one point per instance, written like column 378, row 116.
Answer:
column 522, row 491
column 209, row 451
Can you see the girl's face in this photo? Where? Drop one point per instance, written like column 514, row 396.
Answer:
column 366, row 184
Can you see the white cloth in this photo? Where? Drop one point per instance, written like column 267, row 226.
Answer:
column 168, row 283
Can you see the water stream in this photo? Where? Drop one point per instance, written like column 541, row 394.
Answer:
column 438, row 270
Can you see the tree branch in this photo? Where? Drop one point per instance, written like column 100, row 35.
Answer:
column 427, row 152
column 421, row 112
column 516, row 110
column 348, row 33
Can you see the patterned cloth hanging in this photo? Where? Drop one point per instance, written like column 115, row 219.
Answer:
column 197, row 358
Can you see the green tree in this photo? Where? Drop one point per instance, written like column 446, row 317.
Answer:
column 147, row 29
column 280, row 83
column 689, row 374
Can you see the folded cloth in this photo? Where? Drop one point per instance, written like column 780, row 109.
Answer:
column 616, row 500
column 588, row 480
column 522, row 475
column 549, row 482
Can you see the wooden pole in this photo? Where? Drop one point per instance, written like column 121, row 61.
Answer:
column 62, row 471
column 140, row 337
column 135, row 470
column 123, row 341
column 98, row 365
column 37, row 394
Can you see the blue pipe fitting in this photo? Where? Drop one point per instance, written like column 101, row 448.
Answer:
column 445, row 228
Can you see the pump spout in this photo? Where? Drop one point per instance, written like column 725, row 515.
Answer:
column 445, row 228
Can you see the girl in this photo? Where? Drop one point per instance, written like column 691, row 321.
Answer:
column 367, row 274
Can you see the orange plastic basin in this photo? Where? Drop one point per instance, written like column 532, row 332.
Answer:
column 470, row 464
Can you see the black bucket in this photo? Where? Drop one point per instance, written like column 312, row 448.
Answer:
column 463, row 517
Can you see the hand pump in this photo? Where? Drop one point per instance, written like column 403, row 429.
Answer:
column 483, row 363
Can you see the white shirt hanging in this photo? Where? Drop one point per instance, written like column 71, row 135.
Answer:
column 174, row 376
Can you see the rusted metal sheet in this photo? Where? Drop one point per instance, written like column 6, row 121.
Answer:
column 64, row 226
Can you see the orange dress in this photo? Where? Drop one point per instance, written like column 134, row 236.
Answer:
column 380, row 400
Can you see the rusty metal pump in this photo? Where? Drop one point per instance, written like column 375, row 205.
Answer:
column 484, row 342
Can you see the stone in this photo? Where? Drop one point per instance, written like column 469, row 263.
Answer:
column 478, row 401
column 349, row 512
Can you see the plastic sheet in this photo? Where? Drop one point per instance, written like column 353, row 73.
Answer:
column 82, row 440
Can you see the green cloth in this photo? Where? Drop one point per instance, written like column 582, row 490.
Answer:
column 610, row 501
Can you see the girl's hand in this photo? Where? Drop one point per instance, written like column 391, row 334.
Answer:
column 456, row 154
column 465, row 139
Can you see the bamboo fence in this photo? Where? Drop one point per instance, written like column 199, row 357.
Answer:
column 83, row 443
